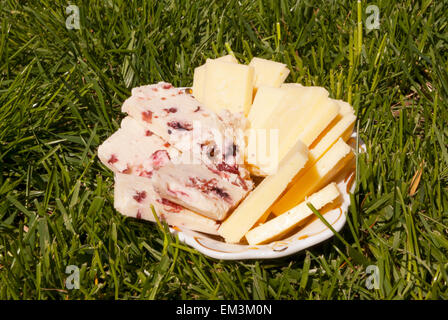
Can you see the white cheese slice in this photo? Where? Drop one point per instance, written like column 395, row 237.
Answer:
column 200, row 134
column 133, row 197
column 197, row 188
column 263, row 196
column 135, row 150
column 281, row 225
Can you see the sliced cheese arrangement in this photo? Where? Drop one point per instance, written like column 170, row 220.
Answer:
column 238, row 156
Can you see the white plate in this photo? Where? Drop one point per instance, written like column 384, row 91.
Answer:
column 311, row 234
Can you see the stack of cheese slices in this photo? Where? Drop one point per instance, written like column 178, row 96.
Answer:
column 294, row 139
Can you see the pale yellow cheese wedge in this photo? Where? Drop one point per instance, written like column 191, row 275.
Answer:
column 268, row 73
column 345, row 107
column 343, row 128
column 315, row 177
column 263, row 196
column 262, row 144
column 227, row 58
column 199, row 76
column 300, row 114
column 267, row 101
column 278, row 226
column 198, row 83
column 292, row 119
column 228, row 86
column 319, row 119
column 262, row 151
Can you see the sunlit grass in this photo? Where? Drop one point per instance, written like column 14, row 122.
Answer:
column 60, row 97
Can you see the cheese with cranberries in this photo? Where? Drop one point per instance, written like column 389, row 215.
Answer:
column 197, row 188
column 133, row 197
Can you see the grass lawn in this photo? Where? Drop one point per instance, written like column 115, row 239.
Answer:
column 60, row 96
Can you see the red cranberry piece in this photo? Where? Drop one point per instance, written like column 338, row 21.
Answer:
column 197, row 109
column 225, row 167
column 180, row 125
column 127, row 170
column 170, row 110
column 148, row 133
column 220, row 192
column 160, row 158
column 139, row 196
column 177, row 192
column 147, row 116
column 146, row 174
column 139, row 214
column 113, row 158
column 172, row 207
column 167, row 86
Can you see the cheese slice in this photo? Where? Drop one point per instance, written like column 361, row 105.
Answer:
column 268, row 73
column 135, row 150
column 319, row 119
column 343, row 128
column 200, row 134
column 197, row 188
column 267, row 101
column 228, row 86
column 315, row 177
column 199, row 76
column 133, row 197
column 345, row 107
column 281, row 225
column 262, row 155
column 302, row 113
column 198, row 83
column 263, row 196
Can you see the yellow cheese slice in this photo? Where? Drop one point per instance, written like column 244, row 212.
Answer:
column 293, row 117
column 297, row 112
column 268, row 73
column 345, row 107
column 228, row 86
column 343, row 128
column 199, row 76
column 315, row 177
column 262, row 144
column 267, row 101
column 263, row 196
column 198, row 83
column 300, row 114
column 281, row 225
column 262, row 155
column 319, row 119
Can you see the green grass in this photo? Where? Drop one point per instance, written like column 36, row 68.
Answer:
column 60, row 97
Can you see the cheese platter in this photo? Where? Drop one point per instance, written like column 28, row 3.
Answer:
column 232, row 163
